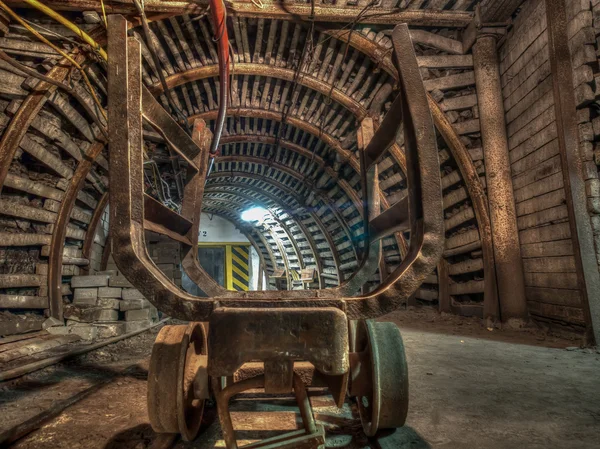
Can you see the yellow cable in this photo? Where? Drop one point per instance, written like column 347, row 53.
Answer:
column 59, row 51
column 104, row 14
column 70, row 25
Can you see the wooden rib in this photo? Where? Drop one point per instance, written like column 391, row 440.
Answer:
column 60, row 229
column 91, row 230
column 28, row 111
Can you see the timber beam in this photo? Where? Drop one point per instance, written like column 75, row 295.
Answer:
column 272, row 10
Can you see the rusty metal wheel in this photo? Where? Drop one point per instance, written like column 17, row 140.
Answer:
column 178, row 380
column 383, row 385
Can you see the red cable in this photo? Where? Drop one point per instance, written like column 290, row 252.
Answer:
column 219, row 18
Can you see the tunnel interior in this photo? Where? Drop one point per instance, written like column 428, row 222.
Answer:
column 287, row 207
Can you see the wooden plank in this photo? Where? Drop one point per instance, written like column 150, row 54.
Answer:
column 32, row 187
column 529, row 100
column 548, row 249
column 564, row 264
column 18, row 210
column 532, row 160
column 553, row 215
column 551, row 281
column 23, row 302
column 563, row 313
column 540, row 171
column 446, row 61
column 38, row 346
column 438, row 41
column 562, row 297
column 459, row 103
column 22, row 239
column 539, row 123
column 467, row 288
column 19, row 326
column 21, row 280
column 538, row 188
column 559, row 231
column 532, row 113
column 457, row 81
column 21, row 337
column 543, row 202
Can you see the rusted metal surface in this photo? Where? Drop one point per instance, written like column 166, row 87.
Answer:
column 317, row 335
column 427, row 235
column 175, row 137
column 444, row 300
column 175, row 394
column 91, row 230
column 312, row 437
column 28, row 110
column 568, row 144
column 60, row 229
column 503, row 215
column 379, row 376
column 370, row 188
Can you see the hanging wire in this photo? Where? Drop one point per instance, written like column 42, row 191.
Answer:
column 60, row 52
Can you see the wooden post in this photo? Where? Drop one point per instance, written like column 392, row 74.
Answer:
column 503, row 216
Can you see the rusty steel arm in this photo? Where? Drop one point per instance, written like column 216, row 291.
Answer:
column 127, row 211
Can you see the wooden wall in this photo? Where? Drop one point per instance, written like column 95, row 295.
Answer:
column 550, row 274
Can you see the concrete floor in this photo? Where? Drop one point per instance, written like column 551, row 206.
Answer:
column 465, row 393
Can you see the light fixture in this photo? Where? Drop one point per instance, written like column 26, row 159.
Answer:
column 254, row 214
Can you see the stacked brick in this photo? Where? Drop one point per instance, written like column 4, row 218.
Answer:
column 166, row 254
column 105, row 305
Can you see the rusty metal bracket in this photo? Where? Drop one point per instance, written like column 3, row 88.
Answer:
column 412, row 121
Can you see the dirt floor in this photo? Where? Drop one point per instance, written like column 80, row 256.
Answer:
column 470, row 387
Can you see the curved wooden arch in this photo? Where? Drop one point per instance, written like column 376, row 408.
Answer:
column 229, row 216
column 293, row 120
column 266, row 70
column 461, row 155
column 219, row 202
column 324, row 198
column 256, row 138
column 277, row 202
column 288, row 191
column 251, row 200
column 306, row 80
column 60, row 229
column 237, row 204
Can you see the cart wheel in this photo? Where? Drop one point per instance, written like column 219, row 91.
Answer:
column 385, row 406
column 178, row 380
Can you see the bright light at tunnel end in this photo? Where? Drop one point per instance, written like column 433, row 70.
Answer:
column 254, row 214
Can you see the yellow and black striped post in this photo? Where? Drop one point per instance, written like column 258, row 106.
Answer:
column 237, row 261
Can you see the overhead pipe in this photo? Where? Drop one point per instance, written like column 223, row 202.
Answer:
column 219, row 19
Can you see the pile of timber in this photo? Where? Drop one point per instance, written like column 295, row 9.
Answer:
column 105, row 305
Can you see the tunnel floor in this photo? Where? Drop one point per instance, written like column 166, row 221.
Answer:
column 469, row 388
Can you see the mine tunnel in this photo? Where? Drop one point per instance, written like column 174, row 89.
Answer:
column 299, row 224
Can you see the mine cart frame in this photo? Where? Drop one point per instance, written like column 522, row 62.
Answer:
column 291, row 332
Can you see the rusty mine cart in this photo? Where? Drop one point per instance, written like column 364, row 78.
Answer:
column 324, row 338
